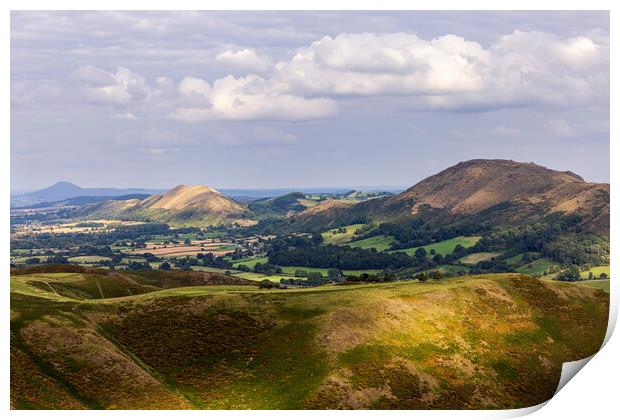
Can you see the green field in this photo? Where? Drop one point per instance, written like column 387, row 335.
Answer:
column 537, row 267
column 88, row 259
column 250, row 262
column 290, row 269
column 596, row 271
column 379, row 242
column 517, row 259
column 479, row 256
column 445, row 247
column 401, row 345
column 213, row 269
column 597, row 284
column 336, row 238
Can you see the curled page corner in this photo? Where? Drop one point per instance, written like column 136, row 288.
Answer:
column 569, row 370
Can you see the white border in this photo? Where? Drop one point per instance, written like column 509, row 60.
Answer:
column 591, row 394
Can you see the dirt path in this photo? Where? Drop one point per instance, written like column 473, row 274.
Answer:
column 53, row 290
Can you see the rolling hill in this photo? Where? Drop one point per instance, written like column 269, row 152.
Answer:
column 92, row 339
column 503, row 192
column 64, row 190
column 182, row 205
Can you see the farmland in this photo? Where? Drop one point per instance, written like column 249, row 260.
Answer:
column 342, row 235
column 445, row 247
column 380, row 243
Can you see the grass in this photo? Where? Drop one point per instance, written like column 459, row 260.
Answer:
column 88, row 259
column 516, row 259
column 445, row 247
column 250, row 262
column 596, row 271
column 379, row 242
column 491, row 341
column 338, row 238
column 597, row 284
column 537, row 267
column 479, row 256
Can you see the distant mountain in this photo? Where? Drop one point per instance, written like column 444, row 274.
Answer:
column 183, row 205
column 64, row 190
column 502, row 192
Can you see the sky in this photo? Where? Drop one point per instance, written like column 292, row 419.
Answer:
column 302, row 99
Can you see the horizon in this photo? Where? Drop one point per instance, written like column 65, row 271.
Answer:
column 163, row 98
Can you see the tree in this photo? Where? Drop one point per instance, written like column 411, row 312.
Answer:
column 265, row 284
column 187, row 242
column 570, row 274
column 437, row 275
column 317, row 238
column 420, row 253
column 423, row 276
column 333, row 273
column 164, row 266
column 590, row 275
column 603, row 276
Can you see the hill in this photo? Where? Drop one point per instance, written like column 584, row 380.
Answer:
column 492, row 341
column 64, row 190
column 183, row 205
column 503, row 192
column 278, row 206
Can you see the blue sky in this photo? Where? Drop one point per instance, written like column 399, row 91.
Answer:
column 300, row 99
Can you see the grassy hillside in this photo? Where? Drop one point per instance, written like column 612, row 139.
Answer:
column 339, row 238
column 493, row 341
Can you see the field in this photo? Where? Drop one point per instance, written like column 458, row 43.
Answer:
column 479, row 256
column 493, row 341
column 596, row 271
column 597, row 284
column 379, row 242
column 339, row 238
column 250, row 262
column 88, row 259
column 445, row 247
column 218, row 248
column 537, row 267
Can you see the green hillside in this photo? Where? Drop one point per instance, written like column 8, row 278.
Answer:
column 492, row 341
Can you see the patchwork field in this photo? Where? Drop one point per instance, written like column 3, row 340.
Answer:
column 445, row 247
column 479, row 256
column 596, row 271
column 537, row 267
column 339, row 238
column 379, row 242
column 493, row 341
column 216, row 248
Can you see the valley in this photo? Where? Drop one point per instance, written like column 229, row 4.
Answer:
column 467, row 290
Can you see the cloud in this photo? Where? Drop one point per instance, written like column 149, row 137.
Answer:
column 449, row 72
column 560, row 128
column 125, row 116
column 445, row 73
column 258, row 136
column 102, row 87
column 249, row 98
column 154, row 138
column 504, row 131
column 245, row 59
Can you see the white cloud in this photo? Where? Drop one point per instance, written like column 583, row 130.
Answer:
column 249, row 98
column 504, row 131
column 245, row 59
column 449, row 72
column 446, row 73
column 122, row 87
column 125, row 116
column 561, row 128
